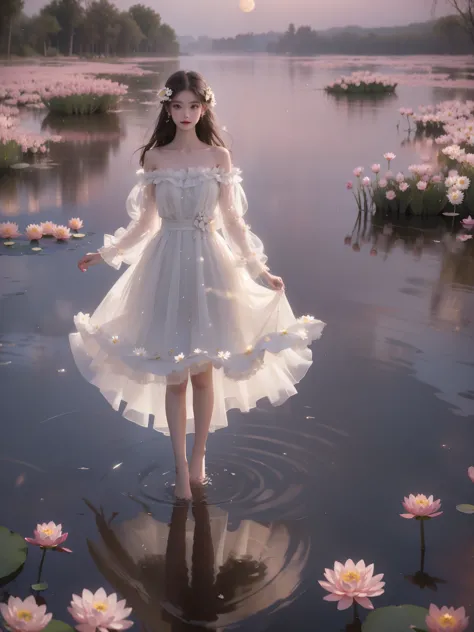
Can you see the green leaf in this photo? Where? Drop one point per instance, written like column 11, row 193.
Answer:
column 58, row 626
column 13, row 552
column 41, row 586
column 395, row 619
column 465, row 508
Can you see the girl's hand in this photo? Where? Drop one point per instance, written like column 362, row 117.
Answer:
column 275, row 282
column 90, row 259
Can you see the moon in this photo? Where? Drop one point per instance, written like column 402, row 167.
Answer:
column 247, row 5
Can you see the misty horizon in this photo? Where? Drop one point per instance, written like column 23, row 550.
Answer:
column 275, row 15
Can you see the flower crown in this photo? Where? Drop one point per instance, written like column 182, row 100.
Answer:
column 165, row 94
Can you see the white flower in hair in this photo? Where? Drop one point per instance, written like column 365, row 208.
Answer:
column 209, row 97
column 165, row 94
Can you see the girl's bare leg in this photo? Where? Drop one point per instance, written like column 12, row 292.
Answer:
column 175, row 406
column 203, row 404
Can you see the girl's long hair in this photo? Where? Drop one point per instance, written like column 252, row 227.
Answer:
column 206, row 129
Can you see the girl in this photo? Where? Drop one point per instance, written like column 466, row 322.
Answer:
column 192, row 304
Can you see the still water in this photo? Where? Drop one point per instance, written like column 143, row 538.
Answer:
column 386, row 409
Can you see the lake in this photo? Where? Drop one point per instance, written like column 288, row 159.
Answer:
column 385, row 410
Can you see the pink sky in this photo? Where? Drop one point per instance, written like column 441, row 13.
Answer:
column 219, row 18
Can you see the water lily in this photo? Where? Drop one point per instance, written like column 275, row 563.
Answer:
column 100, row 611
column 470, row 473
column 446, row 619
column 390, row 195
column 403, row 186
column 463, row 237
column 383, row 183
column 49, row 535
column 389, row 156
column 468, row 222
column 421, row 185
column 24, row 616
column 358, row 171
column 33, row 232
column 349, row 185
column 62, row 233
column 365, row 181
column 420, row 506
column 9, row 230
column 400, row 177
column 351, row 582
column 375, row 168
column 47, row 228
column 75, row 223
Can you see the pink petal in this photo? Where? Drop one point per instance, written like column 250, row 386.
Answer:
column 32, row 541
column 326, row 585
column 62, row 549
column 364, row 602
column 344, row 603
column 407, row 516
column 436, row 514
column 332, row 597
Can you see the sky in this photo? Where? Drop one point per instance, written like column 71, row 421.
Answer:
column 223, row 18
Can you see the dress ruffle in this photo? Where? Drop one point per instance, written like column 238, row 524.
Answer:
column 191, row 176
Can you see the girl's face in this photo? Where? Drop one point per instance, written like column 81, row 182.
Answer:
column 186, row 109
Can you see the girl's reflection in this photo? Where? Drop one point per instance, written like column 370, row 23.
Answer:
column 194, row 574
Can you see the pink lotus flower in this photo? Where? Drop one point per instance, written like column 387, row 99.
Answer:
column 358, row 171
column 389, row 156
column 350, row 582
column 25, row 616
column 390, row 195
column 365, row 181
column 48, row 228
column 9, row 230
column 92, row 611
column 75, row 223
column 437, row 178
column 375, row 168
column 33, row 232
column 400, row 177
column 349, row 186
column 468, row 221
column 421, row 185
column 446, row 619
column 382, row 183
column 463, row 237
column 421, row 507
column 470, row 473
column 62, row 233
column 49, row 536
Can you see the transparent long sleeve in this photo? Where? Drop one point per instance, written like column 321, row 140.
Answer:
column 126, row 245
column 245, row 245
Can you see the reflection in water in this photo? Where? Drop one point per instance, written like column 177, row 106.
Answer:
column 74, row 171
column 197, row 571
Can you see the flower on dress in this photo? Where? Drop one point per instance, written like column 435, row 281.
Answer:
column 197, row 351
column 139, row 351
column 202, row 221
column 33, row 232
column 446, row 619
column 223, row 355
column 179, row 357
column 307, row 318
column 165, row 94
column 99, row 610
column 75, row 223
column 83, row 319
column 302, row 333
column 9, row 230
column 25, row 616
column 49, row 536
column 420, row 506
column 351, row 582
column 249, row 349
column 283, row 332
column 115, row 339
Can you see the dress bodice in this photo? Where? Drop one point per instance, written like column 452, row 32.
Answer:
column 182, row 195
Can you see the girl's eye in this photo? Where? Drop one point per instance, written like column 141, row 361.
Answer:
column 195, row 107
column 176, row 106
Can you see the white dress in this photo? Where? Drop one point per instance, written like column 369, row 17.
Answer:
column 190, row 296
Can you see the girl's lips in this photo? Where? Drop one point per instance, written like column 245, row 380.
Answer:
column 185, row 122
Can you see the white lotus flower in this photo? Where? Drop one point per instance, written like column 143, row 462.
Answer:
column 139, row 351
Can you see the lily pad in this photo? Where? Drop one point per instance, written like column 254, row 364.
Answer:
column 13, row 552
column 41, row 586
column 37, row 249
column 465, row 508
column 78, row 235
column 58, row 626
column 395, row 619
column 20, row 165
column 8, row 243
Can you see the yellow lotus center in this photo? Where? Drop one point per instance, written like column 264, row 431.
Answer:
column 423, row 502
column 47, row 531
column 100, row 606
column 447, row 620
column 24, row 615
column 350, row 576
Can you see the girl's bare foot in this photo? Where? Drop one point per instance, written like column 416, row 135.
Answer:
column 182, row 487
column 197, row 469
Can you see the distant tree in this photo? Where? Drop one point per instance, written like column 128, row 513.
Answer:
column 465, row 10
column 149, row 22
column 130, row 34
column 9, row 11
column 69, row 14
column 102, row 25
column 43, row 26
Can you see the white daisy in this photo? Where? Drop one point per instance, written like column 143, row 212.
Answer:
column 115, row 339
column 455, row 196
column 463, row 183
column 139, row 351
column 179, row 357
column 198, row 351
column 307, row 318
column 223, row 355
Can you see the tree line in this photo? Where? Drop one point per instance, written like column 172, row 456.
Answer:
column 445, row 36
column 84, row 27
